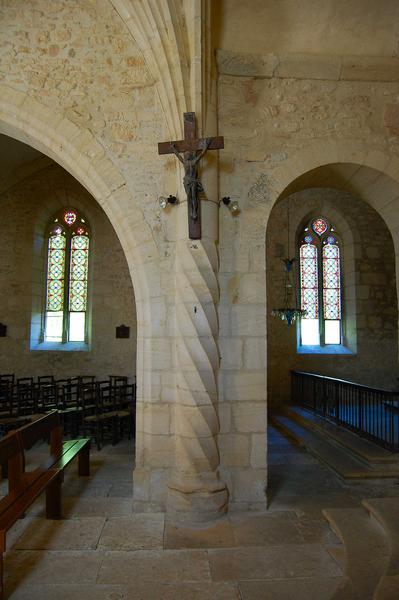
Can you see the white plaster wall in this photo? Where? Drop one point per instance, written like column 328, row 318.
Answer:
column 311, row 26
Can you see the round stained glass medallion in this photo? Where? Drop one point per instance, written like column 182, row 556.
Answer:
column 70, row 217
column 308, row 239
column 58, row 230
column 331, row 239
column 319, row 226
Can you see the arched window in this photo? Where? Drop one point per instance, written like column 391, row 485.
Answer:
column 320, row 284
column 65, row 318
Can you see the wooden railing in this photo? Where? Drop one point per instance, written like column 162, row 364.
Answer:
column 371, row 413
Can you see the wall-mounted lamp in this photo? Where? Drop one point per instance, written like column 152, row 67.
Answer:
column 164, row 201
column 232, row 205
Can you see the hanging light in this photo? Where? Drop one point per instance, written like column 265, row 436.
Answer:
column 290, row 310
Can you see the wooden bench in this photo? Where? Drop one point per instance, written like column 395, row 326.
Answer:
column 24, row 487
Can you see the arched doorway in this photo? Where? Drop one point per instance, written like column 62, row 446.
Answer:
column 81, row 155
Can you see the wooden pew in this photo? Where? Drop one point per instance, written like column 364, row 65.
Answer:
column 61, row 453
column 24, row 487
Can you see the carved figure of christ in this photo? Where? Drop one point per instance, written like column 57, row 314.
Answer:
column 190, row 151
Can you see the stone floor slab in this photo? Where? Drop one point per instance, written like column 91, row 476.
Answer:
column 272, row 562
column 219, row 535
column 185, row 591
column 265, row 529
column 35, row 567
column 137, row 532
column 148, row 591
column 70, row 592
column 294, row 589
column 121, row 489
column 162, row 566
column 70, row 534
column 86, row 489
column 76, row 507
column 276, row 565
column 316, row 531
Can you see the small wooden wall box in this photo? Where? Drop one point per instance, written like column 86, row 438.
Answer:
column 122, row 332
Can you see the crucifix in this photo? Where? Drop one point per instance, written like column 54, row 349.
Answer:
column 190, row 151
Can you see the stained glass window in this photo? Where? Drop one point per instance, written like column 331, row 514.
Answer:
column 309, row 294
column 309, row 281
column 56, row 272
column 55, row 285
column 319, row 226
column 70, row 217
column 67, row 275
column 320, row 284
column 78, row 273
column 331, row 292
column 331, row 282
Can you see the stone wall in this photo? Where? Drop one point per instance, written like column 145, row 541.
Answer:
column 75, row 85
column 27, row 208
column 95, row 86
column 291, row 123
column 369, row 293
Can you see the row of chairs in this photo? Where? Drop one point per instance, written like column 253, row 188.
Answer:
column 103, row 409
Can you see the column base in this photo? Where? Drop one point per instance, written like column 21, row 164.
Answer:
column 196, row 504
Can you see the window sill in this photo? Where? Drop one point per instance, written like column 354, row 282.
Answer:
column 59, row 347
column 329, row 349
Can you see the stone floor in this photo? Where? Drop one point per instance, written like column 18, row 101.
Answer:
column 103, row 551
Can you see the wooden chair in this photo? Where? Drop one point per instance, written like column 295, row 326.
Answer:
column 26, row 397
column 99, row 417
column 124, row 403
column 69, row 405
column 47, row 398
column 6, row 393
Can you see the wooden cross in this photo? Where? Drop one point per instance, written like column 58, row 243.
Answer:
column 189, row 151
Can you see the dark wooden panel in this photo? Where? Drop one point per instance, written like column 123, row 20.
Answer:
column 217, row 143
column 33, row 432
column 9, row 447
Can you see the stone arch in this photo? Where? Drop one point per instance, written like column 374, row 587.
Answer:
column 80, row 154
column 370, row 175
column 350, row 166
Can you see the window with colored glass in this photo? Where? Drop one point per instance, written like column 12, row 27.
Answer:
column 320, row 284
column 65, row 318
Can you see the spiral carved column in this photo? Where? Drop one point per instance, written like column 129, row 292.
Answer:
column 196, row 492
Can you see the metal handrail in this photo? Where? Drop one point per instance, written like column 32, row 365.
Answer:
column 370, row 412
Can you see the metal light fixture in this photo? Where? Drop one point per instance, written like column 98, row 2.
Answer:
column 164, row 201
column 233, row 206
column 288, row 312
column 291, row 309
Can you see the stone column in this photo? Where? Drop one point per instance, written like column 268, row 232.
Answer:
column 196, row 492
